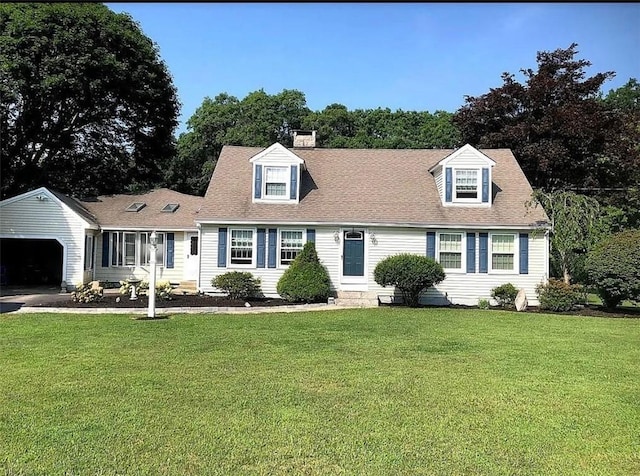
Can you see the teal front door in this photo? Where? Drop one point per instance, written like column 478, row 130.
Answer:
column 353, row 253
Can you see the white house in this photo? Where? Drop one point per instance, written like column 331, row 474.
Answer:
column 465, row 207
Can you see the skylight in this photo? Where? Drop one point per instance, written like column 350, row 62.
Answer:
column 136, row 207
column 170, row 207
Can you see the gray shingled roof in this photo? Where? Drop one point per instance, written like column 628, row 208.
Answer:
column 110, row 210
column 367, row 186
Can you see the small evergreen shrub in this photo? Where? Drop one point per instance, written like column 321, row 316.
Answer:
column 483, row 303
column 238, row 284
column 306, row 279
column 557, row 295
column 87, row 293
column 505, row 295
column 613, row 268
column 410, row 274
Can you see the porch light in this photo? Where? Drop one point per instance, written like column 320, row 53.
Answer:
column 372, row 237
column 336, row 236
column 153, row 241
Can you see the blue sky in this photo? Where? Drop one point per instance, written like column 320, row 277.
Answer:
column 410, row 56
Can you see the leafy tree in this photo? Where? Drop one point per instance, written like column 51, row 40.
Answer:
column 88, row 106
column 614, row 268
column 576, row 226
column 410, row 274
column 555, row 123
column 306, row 279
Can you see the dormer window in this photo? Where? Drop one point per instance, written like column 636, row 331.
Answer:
column 464, row 178
column 275, row 182
column 276, row 175
column 466, row 184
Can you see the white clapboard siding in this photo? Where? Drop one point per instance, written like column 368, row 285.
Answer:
column 119, row 273
column 328, row 254
column 439, row 178
column 31, row 218
column 468, row 158
column 460, row 288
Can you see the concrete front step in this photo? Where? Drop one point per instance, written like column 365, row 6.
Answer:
column 357, row 299
column 185, row 287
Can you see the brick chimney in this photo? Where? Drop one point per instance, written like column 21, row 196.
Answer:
column 306, row 139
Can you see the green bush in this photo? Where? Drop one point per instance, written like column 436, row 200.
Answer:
column 238, row 284
column 306, row 279
column 557, row 295
column 410, row 274
column 483, row 304
column 613, row 268
column 505, row 295
column 87, row 293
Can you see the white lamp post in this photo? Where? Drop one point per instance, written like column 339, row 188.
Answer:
column 153, row 240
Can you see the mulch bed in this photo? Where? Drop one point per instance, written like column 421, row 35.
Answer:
column 118, row 301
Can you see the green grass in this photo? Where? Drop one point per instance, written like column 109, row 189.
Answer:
column 371, row 392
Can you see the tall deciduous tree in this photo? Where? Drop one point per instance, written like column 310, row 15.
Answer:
column 554, row 122
column 87, row 104
column 577, row 224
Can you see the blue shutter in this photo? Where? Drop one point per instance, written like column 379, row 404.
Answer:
column 485, row 185
column 431, row 244
column 524, row 253
column 258, row 182
column 261, row 247
column 170, row 250
column 294, row 183
column 484, row 252
column 273, row 246
column 105, row 249
column 222, row 247
column 471, row 252
column 311, row 235
column 447, row 184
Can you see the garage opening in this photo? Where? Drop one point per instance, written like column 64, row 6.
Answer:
column 30, row 261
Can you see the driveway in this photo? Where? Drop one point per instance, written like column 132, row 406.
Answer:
column 13, row 298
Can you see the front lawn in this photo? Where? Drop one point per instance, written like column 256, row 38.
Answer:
column 368, row 391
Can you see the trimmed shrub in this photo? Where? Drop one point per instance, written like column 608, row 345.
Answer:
column 613, row 268
column 410, row 274
column 87, row 293
column 238, row 284
column 505, row 295
column 557, row 295
column 306, row 279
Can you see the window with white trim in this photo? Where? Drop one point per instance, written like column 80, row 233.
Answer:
column 466, row 184
column 275, row 182
column 291, row 243
column 503, row 251
column 129, row 249
column 450, row 250
column 241, row 247
column 134, row 248
column 88, row 252
column 145, row 249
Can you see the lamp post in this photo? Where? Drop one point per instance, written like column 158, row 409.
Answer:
column 153, row 240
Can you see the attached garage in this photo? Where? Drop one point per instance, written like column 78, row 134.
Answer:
column 43, row 239
column 28, row 261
